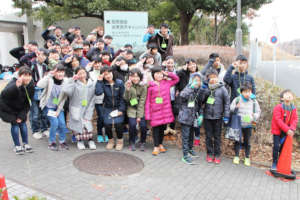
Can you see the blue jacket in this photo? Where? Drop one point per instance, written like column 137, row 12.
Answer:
column 113, row 100
column 234, row 80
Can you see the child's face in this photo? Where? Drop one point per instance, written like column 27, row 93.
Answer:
column 213, row 79
column 105, row 57
column 129, row 56
column 65, row 50
column 81, row 74
column 150, row 61
column 86, row 48
column 108, row 41
column 135, row 78
column 246, row 93
column 170, row 64
column 154, row 51
column 75, row 63
column 242, row 65
column 54, row 56
column 100, row 45
column 97, row 65
column 217, row 62
column 108, row 76
column 288, row 97
column 158, row 76
column 59, row 75
column 192, row 67
column 26, row 78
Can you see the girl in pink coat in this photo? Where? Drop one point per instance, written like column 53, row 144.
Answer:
column 158, row 108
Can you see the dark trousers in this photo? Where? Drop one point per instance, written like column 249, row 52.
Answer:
column 187, row 136
column 133, row 132
column 119, row 130
column 100, row 123
column 175, row 113
column 277, row 147
column 158, row 135
column 197, row 132
column 246, row 134
column 213, row 129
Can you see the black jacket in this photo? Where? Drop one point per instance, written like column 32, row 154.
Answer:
column 221, row 106
column 14, row 102
column 93, row 52
column 18, row 53
column 234, row 81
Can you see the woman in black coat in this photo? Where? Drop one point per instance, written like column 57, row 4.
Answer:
column 15, row 102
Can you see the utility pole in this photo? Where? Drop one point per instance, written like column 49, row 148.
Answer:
column 239, row 32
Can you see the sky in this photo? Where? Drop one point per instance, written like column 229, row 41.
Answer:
column 286, row 13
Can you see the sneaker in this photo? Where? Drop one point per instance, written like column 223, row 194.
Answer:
column 217, row 160
column 162, row 149
column 106, row 139
column 142, row 147
column 100, row 139
column 27, row 148
column 92, row 145
column 132, row 147
column 64, row 146
column 19, row 150
column 45, row 133
column 74, row 139
column 193, row 153
column 53, row 146
column 187, row 160
column 274, row 167
column 209, row 159
column 247, row 162
column 155, row 151
column 80, row 145
column 37, row 135
column 236, row 160
column 196, row 142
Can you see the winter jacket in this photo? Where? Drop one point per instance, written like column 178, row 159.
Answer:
column 138, row 92
column 94, row 77
column 234, row 80
column 35, row 73
column 110, row 50
column 93, row 52
column 248, row 109
column 120, row 74
column 160, row 113
column 47, row 36
column 113, row 100
column 158, row 39
column 81, row 104
column 187, row 114
column 221, row 106
column 278, row 122
column 14, row 102
column 184, row 76
column 47, row 84
column 28, row 59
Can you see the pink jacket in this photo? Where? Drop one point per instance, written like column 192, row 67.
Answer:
column 160, row 114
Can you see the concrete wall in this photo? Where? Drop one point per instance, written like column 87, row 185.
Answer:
column 8, row 41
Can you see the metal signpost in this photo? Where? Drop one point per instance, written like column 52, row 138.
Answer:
column 274, row 41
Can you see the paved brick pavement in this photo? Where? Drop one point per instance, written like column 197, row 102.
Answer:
column 164, row 177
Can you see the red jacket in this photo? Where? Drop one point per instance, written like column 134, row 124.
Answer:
column 278, row 123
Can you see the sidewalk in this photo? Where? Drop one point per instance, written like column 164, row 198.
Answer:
column 164, row 177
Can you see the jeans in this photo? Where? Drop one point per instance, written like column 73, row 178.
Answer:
column 57, row 125
column 15, row 133
column 133, row 132
column 246, row 133
column 100, row 122
column 277, row 147
column 38, row 119
column 158, row 135
column 119, row 130
column 187, row 136
column 213, row 129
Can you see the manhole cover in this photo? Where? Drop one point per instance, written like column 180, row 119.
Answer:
column 108, row 163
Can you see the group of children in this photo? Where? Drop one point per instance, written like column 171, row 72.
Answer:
column 124, row 91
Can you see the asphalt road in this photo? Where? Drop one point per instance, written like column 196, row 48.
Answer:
column 288, row 74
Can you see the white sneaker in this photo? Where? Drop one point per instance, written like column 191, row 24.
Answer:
column 80, row 145
column 46, row 133
column 37, row 135
column 27, row 148
column 19, row 150
column 92, row 145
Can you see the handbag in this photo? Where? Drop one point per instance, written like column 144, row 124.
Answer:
column 234, row 130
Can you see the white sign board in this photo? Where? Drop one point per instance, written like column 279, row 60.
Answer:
column 126, row 27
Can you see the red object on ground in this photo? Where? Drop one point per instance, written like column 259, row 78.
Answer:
column 3, row 194
column 285, row 160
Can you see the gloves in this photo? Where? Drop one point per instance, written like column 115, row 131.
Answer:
column 200, row 120
column 225, row 120
column 252, row 96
